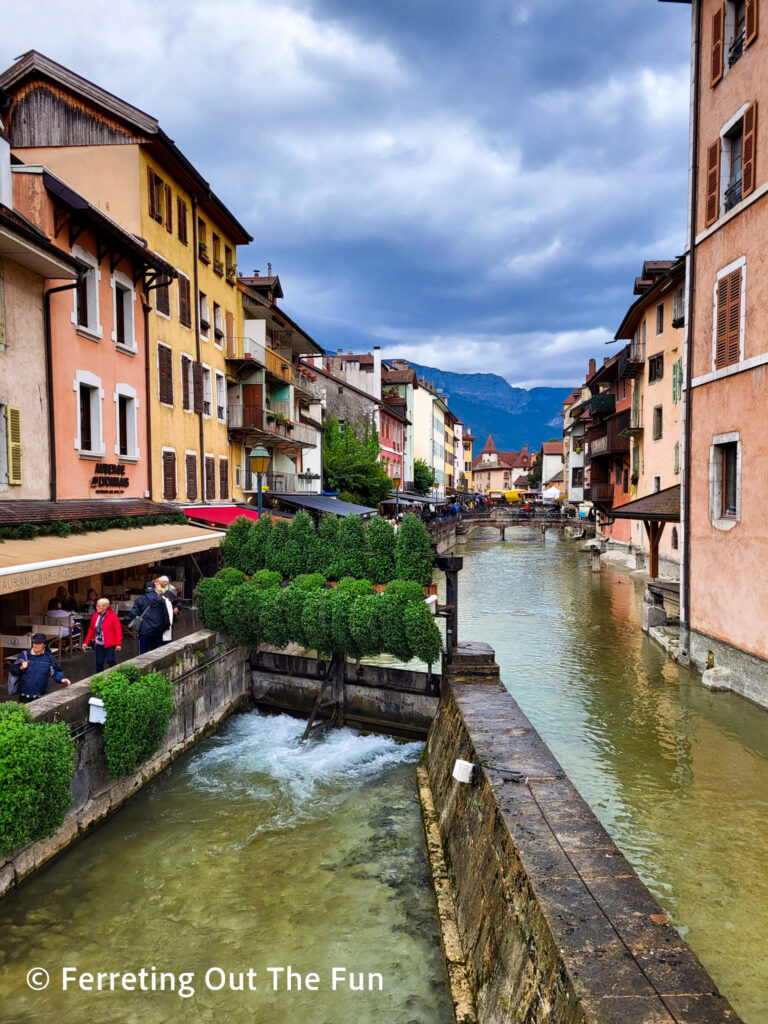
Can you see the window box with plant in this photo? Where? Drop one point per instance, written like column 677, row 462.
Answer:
column 202, row 249
column 218, row 267
column 231, row 274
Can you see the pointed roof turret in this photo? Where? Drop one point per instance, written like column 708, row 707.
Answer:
column 490, row 447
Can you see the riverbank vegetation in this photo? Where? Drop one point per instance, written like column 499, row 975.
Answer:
column 138, row 709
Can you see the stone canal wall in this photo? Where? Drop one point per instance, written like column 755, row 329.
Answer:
column 553, row 923
column 211, row 680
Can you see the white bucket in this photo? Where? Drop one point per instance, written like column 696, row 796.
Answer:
column 463, row 771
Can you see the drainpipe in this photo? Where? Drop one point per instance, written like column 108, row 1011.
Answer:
column 198, row 353
column 49, row 369
column 685, row 490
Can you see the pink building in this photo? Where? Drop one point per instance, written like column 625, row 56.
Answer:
column 99, row 346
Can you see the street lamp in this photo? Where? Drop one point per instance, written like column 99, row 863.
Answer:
column 397, row 480
column 436, row 486
column 259, row 465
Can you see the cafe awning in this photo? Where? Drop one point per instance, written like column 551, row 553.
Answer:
column 223, row 515
column 36, row 563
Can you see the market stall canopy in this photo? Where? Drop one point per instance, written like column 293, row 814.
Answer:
column 551, row 494
column 324, row 503
column 51, row 559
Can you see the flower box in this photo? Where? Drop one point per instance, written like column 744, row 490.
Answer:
column 430, row 589
column 96, row 711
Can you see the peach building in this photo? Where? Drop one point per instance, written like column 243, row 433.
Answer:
column 98, row 343
column 724, row 599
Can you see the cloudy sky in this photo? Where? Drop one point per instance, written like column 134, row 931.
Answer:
column 472, row 186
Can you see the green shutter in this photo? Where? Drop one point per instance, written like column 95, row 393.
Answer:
column 635, row 460
column 677, row 456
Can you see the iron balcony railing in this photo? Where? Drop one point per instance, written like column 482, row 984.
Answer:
column 732, row 195
column 736, row 49
column 285, row 483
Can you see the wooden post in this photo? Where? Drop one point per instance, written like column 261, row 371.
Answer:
column 654, row 529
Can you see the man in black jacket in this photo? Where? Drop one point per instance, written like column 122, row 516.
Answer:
column 154, row 617
column 35, row 668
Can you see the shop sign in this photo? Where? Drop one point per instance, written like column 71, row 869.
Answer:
column 109, row 478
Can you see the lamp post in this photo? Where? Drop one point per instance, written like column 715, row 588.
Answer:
column 436, row 486
column 259, row 465
column 396, row 480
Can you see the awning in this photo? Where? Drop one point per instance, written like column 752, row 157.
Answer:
column 324, row 503
column 661, row 507
column 416, row 499
column 45, row 560
column 222, row 514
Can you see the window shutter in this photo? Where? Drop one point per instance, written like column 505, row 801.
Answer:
column 749, row 149
column 191, row 463
column 210, row 479
column 151, row 188
column 734, row 317
column 677, row 456
column 229, row 328
column 713, row 183
column 224, row 478
column 163, row 298
column 750, row 15
column 181, row 217
column 168, row 208
column 722, row 322
column 185, row 311
column 197, row 384
column 718, row 25
column 185, row 396
column 165, row 374
column 169, row 476
column 13, row 425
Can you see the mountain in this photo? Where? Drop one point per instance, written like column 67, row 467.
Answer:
column 488, row 404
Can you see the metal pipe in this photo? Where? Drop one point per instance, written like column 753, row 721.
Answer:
column 147, row 384
column 198, row 352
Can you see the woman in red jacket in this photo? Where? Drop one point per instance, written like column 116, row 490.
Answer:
column 105, row 633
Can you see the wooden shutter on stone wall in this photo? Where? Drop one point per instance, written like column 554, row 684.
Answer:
column 169, row 476
column 197, row 386
column 13, row 428
column 165, row 374
column 163, row 297
column 718, row 32
column 185, row 395
column 750, row 20
column 223, row 478
column 229, row 331
column 152, row 194
column 185, row 308
column 749, row 150
column 210, row 479
column 191, row 464
column 727, row 340
column 168, row 208
column 713, row 184
column 181, row 217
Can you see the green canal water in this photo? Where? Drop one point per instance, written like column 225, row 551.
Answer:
column 249, row 853
column 678, row 775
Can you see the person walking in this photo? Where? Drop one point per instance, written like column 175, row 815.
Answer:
column 36, row 667
column 155, row 617
column 105, row 633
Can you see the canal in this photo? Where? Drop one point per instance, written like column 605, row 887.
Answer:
column 678, row 775
column 250, row 852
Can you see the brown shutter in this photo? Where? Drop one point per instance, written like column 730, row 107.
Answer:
column 185, row 396
column 185, row 310
column 13, row 431
column 734, row 317
column 229, row 329
column 165, row 374
column 169, row 476
column 191, row 464
column 713, row 184
column 197, row 385
column 168, row 208
column 151, row 188
column 181, row 216
column 163, row 298
column 223, row 478
column 210, row 479
column 750, row 17
column 721, row 335
column 749, row 150
column 718, row 26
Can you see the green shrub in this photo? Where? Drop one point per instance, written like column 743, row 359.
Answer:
column 36, row 768
column 395, row 599
column 349, row 558
column 254, row 554
column 317, row 621
column 422, row 632
column 312, row 581
column 366, row 626
column 343, row 601
column 303, row 547
column 277, row 548
column 413, row 551
column 209, row 597
column 380, row 559
column 241, row 613
column 138, row 709
column 266, row 579
column 235, row 541
column 329, row 535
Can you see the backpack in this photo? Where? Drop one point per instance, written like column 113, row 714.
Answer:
column 14, row 678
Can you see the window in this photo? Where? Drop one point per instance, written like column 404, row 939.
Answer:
column 618, row 470
column 677, row 380
column 123, row 300
column 197, row 386
column 185, row 302
column 625, row 482
column 210, row 478
column 218, row 325
column 218, row 266
column 660, row 318
column 229, row 330
column 223, row 478
column 675, row 542
column 734, row 28
column 728, row 316
column 202, row 240
column 181, row 220
column 731, row 164
column 186, row 383
column 165, row 374
column 657, row 422
column 207, row 394
column 163, row 298
column 221, row 397
column 732, row 155
column 90, row 416
column 656, row 484
column 169, row 474
column 160, row 199
column 85, row 315
column 577, row 476
column 655, row 367
column 127, row 405
column 725, row 480
column 678, row 307
column 190, row 464
column 238, row 476
column 205, row 322
column 229, row 267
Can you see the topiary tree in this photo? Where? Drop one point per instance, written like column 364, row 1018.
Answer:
column 303, row 548
column 413, row 551
column 37, row 762
column 317, row 621
column 209, row 597
column 350, row 549
column 265, row 579
column 380, row 558
column 254, row 553
column 329, row 535
column 241, row 612
column 395, row 599
column 277, row 548
column 422, row 632
column 235, row 541
column 365, row 624
column 138, row 712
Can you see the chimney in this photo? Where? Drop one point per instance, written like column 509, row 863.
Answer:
column 269, row 270
column 339, row 352
column 592, row 368
column 377, row 371
column 256, row 273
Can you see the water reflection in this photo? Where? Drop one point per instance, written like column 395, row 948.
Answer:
column 678, row 775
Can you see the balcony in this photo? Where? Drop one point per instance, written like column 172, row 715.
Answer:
column 305, row 384
column 277, row 362
column 282, row 432
column 602, row 493
column 736, row 49
column 632, row 426
column 631, row 361
column 285, row 483
column 732, row 195
column 603, row 404
column 607, row 439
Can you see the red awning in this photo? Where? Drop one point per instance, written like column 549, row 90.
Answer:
column 223, row 515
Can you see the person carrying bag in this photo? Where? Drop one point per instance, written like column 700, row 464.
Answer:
column 151, row 611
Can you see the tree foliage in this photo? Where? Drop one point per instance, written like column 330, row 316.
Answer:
column 138, row 709
column 534, row 473
column 210, row 593
column 351, row 462
column 423, row 477
column 413, row 551
column 380, row 559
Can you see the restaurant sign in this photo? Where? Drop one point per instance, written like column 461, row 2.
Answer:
column 109, row 478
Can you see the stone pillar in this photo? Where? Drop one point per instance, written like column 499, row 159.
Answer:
column 594, row 558
column 653, row 610
column 472, row 662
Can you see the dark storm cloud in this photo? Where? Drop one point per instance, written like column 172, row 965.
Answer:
column 469, row 185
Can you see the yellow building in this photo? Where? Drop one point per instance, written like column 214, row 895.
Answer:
column 120, row 159
column 467, row 439
column 450, row 422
